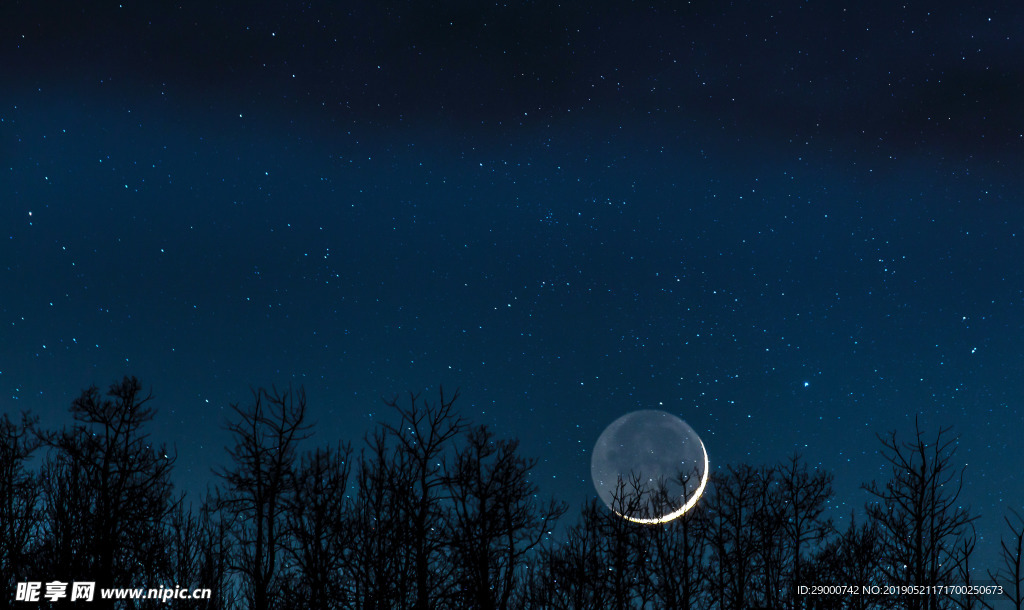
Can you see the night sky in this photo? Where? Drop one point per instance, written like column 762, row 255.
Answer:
column 795, row 225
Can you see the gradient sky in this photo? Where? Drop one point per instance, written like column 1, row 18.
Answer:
column 796, row 225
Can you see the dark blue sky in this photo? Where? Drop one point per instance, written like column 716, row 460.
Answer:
column 796, row 225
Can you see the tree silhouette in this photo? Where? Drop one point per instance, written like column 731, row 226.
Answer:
column 377, row 557
column 199, row 555
column 260, row 487
column 768, row 525
column 424, row 433
column 626, row 544
column 65, row 545
column 184, row 551
column 919, row 513
column 572, row 574
column 215, row 564
column 677, row 568
column 106, row 493
column 605, row 560
column 1011, row 573
column 316, row 523
column 964, row 572
column 733, row 505
column 850, row 557
column 802, row 500
column 441, row 514
column 19, row 494
column 496, row 520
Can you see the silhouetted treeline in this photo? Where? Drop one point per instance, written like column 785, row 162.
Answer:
column 432, row 511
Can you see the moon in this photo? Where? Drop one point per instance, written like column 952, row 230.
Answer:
column 649, row 467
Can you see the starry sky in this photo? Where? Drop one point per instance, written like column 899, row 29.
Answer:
column 795, row 224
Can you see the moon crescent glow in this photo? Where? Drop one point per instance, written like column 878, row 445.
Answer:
column 651, row 452
column 685, row 507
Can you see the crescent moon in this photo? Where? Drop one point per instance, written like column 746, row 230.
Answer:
column 685, row 507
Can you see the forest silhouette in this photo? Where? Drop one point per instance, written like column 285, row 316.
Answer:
column 433, row 511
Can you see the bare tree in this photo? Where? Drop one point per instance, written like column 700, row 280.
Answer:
column 316, row 522
column 679, row 547
column 106, row 492
column 1011, row 574
column 768, row 526
column 964, row 552
column 259, row 487
column 215, row 561
column 496, row 519
column 849, row 557
column 803, row 497
column 424, row 433
column 398, row 552
column 67, row 518
column 198, row 552
column 184, row 550
column 377, row 557
column 606, row 558
column 919, row 513
column 573, row 574
column 627, row 545
column 19, row 494
column 731, row 509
